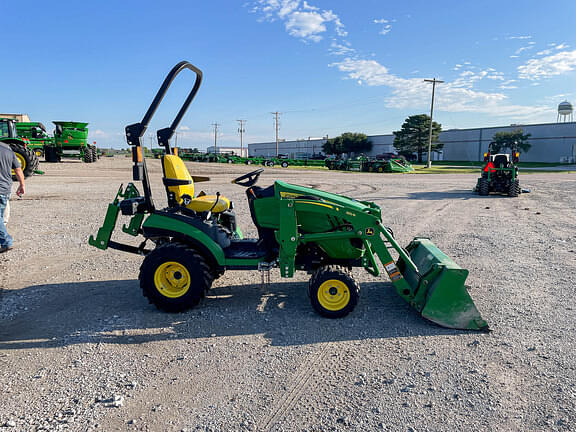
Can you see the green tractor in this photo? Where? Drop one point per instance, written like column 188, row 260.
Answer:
column 499, row 173
column 196, row 238
column 8, row 135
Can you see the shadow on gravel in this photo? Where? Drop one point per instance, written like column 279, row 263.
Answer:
column 115, row 312
column 434, row 196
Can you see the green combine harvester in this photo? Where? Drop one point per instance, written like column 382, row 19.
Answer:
column 70, row 140
column 20, row 146
column 35, row 132
column 196, row 239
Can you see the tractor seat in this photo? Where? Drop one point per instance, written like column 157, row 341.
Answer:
column 180, row 188
column 501, row 161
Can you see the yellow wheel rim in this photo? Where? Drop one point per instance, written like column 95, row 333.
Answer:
column 333, row 295
column 380, row 169
column 21, row 160
column 172, row 279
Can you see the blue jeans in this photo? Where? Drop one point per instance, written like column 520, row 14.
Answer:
column 5, row 239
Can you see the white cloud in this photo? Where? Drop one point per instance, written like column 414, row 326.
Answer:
column 306, row 25
column 312, row 24
column 301, row 20
column 518, row 37
column 546, row 67
column 99, row 133
column 457, row 96
column 524, row 48
column 386, row 27
column 183, row 128
column 341, row 49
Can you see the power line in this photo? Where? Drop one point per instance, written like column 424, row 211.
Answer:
column 433, row 81
column 241, row 130
column 216, row 126
column 277, row 114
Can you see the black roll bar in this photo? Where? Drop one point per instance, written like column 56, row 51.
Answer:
column 134, row 132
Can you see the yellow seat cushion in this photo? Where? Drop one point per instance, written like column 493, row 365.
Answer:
column 176, row 172
column 206, row 202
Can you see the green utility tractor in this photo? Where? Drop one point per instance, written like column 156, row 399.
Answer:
column 195, row 238
column 499, row 173
column 8, row 135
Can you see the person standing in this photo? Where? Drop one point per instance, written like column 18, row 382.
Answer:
column 8, row 162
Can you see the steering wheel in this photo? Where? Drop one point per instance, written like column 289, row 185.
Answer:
column 249, row 179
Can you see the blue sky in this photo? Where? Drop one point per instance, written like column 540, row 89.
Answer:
column 327, row 66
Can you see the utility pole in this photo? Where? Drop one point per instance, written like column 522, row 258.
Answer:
column 277, row 129
column 241, row 130
column 216, row 126
column 433, row 81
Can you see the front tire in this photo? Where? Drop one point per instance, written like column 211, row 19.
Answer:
column 483, row 186
column 174, row 277
column 333, row 292
column 514, row 188
column 284, row 164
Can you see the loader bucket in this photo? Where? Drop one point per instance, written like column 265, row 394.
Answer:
column 439, row 293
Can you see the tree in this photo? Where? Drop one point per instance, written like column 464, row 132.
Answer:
column 504, row 140
column 348, row 142
column 414, row 135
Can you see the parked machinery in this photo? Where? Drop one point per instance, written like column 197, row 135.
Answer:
column 21, row 146
column 196, row 238
column 499, row 173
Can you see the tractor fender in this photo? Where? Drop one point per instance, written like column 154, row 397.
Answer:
column 161, row 225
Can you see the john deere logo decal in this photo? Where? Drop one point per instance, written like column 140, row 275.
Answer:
column 369, row 231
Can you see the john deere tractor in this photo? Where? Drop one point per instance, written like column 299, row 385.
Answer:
column 499, row 173
column 195, row 239
column 8, row 135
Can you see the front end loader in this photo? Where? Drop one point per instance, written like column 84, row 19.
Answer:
column 196, row 238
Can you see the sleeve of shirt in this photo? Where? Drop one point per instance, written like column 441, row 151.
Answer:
column 16, row 162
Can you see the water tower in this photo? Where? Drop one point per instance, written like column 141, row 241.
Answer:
column 565, row 110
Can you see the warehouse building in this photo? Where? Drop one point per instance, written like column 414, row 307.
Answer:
column 551, row 142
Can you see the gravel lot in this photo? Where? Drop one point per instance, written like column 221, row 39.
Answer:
column 81, row 348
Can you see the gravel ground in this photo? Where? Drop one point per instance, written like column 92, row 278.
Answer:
column 81, row 349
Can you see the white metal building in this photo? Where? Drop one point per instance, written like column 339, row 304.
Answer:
column 551, row 142
column 228, row 150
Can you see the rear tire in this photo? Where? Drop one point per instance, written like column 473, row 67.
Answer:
column 27, row 158
column 333, row 292
column 483, row 186
column 514, row 188
column 174, row 277
column 88, row 154
column 94, row 153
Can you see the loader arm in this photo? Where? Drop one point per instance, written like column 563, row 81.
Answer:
column 422, row 275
